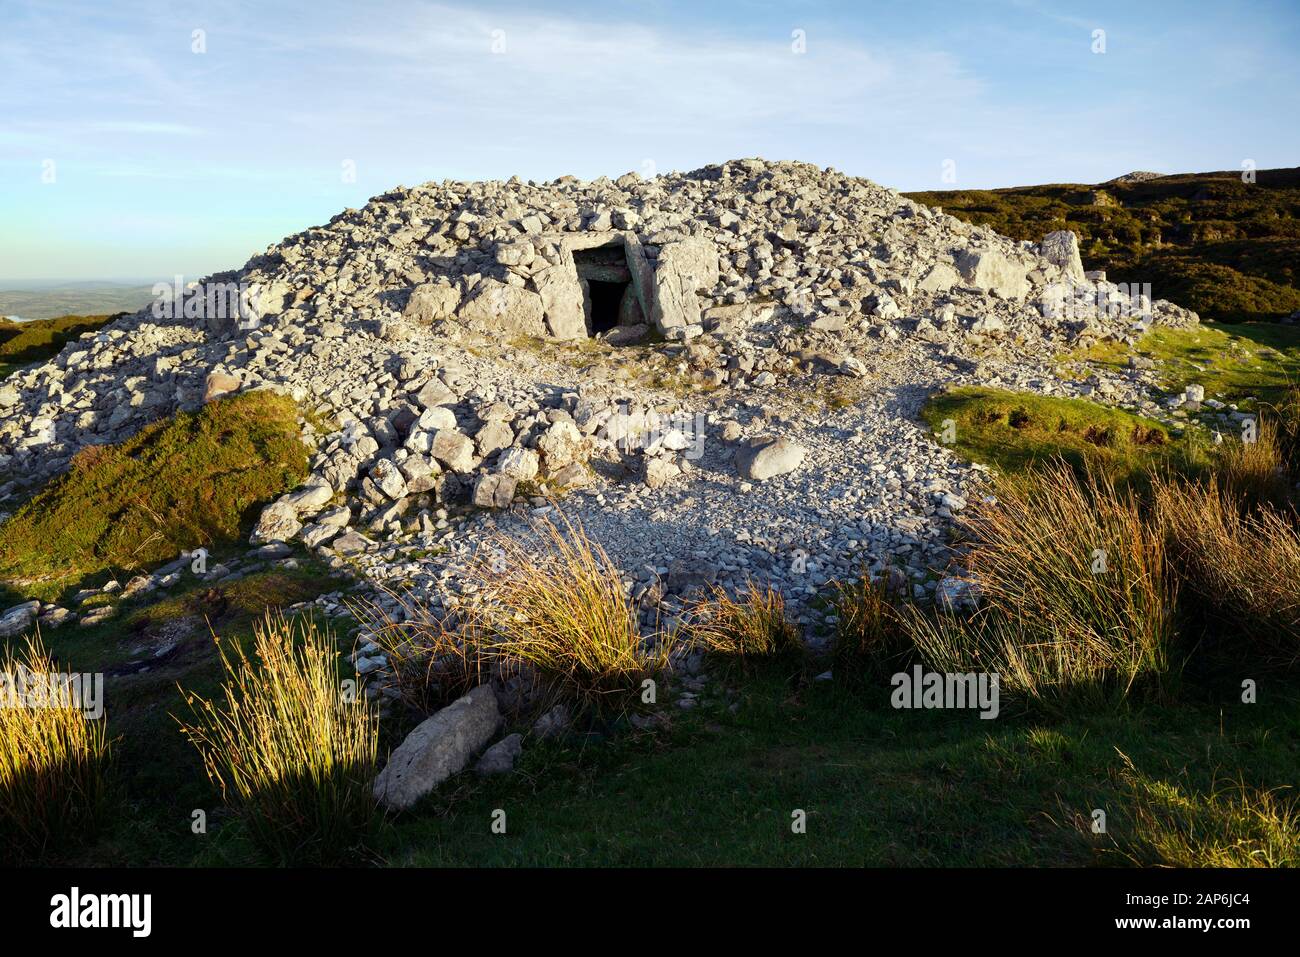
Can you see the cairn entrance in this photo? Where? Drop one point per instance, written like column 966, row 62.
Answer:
column 608, row 293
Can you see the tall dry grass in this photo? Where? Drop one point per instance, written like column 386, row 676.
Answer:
column 433, row 660
column 555, row 603
column 871, row 640
column 746, row 630
column 1240, row 567
column 54, row 763
column 1256, row 473
column 1079, row 599
column 288, row 746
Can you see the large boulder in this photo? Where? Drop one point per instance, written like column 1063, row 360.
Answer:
column 940, row 278
column 219, row 384
column 494, row 490
column 453, row 449
column 501, row 757
column 993, row 272
column 310, row 498
column 435, row 393
column 767, row 458
column 519, row 464
column 560, row 445
column 684, row 268
column 386, row 475
column 432, row 302
column 439, row 747
column 500, row 309
column 1062, row 248
column 14, row 621
column 277, row 523
column 492, row 437
column 561, row 295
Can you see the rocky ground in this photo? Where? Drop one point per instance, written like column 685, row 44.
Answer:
column 753, row 414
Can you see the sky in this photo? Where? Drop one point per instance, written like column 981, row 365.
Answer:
column 142, row 139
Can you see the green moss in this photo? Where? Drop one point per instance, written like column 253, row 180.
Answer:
column 1207, row 241
column 1235, row 363
column 1015, row 430
column 195, row 479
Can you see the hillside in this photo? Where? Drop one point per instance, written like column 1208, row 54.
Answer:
column 39, row 339
column 1207, row 241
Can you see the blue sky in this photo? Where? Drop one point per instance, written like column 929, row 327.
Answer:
column 124, row 153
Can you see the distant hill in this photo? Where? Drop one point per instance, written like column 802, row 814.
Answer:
column 48, row 300
column 1207, row 241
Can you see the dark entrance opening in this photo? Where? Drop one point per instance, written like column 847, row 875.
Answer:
column 609, row 298
column 605, row 298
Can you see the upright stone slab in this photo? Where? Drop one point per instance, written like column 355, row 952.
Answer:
column 684, row 268
column 562, row 301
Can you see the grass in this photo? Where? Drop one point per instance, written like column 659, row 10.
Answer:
column 1017, row 430
column 880, row 787
column 747, row 631
column 290, row 746
column 1079, row 599
column 433, row 662
column 144, row 652
column 1239, row 826
column 36, row 340
column 1240, row 566
column 556, row 605
column 870, row 642
column 196, row 479
column 54, row 762
column 1207, row 241
column 1243, row 364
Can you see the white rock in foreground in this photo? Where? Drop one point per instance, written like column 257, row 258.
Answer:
column 773, row 458
column 438, row 748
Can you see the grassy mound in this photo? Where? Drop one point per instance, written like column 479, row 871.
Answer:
column 1206, row 241
column 195, row 479
column 1015, row 430
column 1241, row 363
column 24, row 342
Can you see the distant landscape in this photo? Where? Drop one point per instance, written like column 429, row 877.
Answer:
column 48, row 299
column 1208, row 241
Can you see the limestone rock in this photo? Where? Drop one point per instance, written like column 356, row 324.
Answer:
column 453, row 449
column 993, row 272
column 500, row 309
column 767, row 459
column 277, row 523
column 501, row 757
column 432, row 302
column 494, row 490
column 561, row 295
column 519, row 464
column 218, row 384
column 1062, row 248
column 684, row 268
column 560, row 445
column 439, row 747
